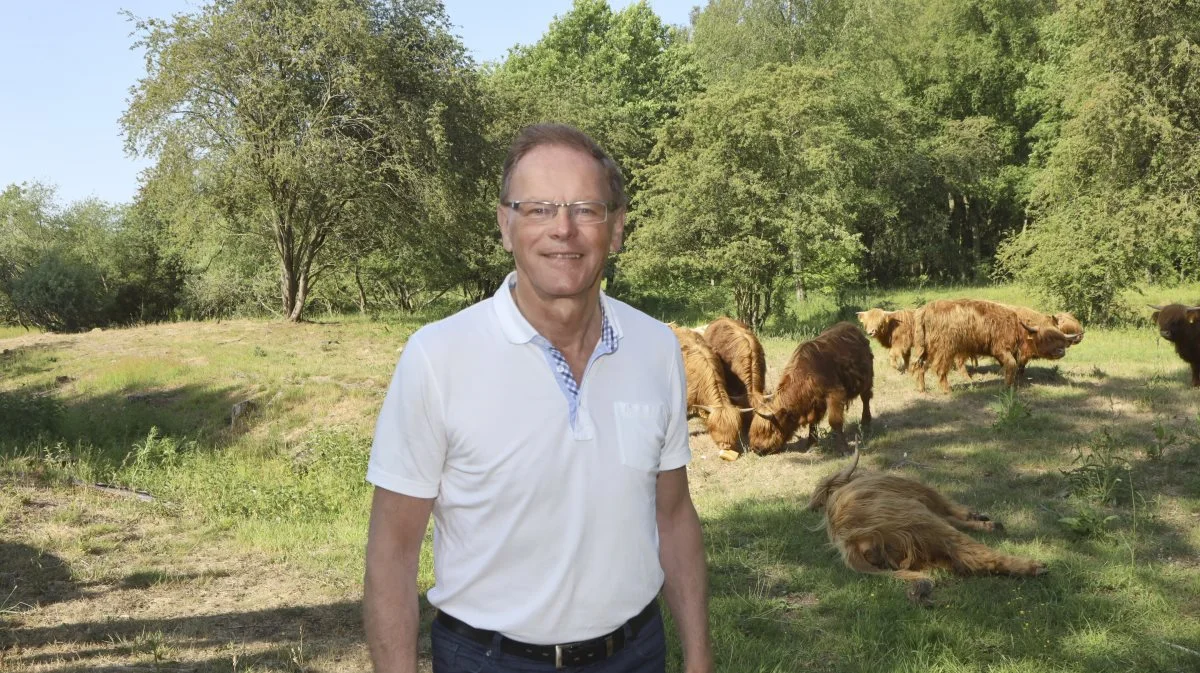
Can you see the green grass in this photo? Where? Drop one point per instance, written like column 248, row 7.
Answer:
column 1092, row 466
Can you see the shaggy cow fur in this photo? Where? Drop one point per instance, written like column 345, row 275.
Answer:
column 706, row 391
column 1178, row 324
column 821, row 377
column 888, row 524
column 893, row 331
column 947, row 331
column 745, row 363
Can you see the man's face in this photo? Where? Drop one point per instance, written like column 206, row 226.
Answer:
column 559, row 258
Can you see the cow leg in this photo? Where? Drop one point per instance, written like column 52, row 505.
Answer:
column 974, row 525
column 1009, row 363
column 812, row 436
column 943, row 372
column 866, row 412
column 836, row 402
column 919, row 375
column 1195, row 374
column 960, row 364
column 969, row 557
column 877, row 558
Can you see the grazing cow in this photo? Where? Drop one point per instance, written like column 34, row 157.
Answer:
column 745, row 363
column 706, row 392
column 888, row 524
column 893, row 331
column 946, row 331
column 821, row 377
column 1177, row 324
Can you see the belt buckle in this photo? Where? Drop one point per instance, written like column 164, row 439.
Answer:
column 558, row 652
column 609, row 645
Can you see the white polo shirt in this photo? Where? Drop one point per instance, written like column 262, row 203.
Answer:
column 543, row 530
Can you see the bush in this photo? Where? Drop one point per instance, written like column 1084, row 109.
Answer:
column 60, row 293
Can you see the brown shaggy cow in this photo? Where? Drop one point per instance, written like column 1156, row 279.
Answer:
column 893, row 331
column 888, row 524
column 745, row 363
column 706, row 392
column 822, row 376
column 948, row 330
column 1178, row 324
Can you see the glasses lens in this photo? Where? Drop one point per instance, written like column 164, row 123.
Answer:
column 589, row 212
column 535, row 210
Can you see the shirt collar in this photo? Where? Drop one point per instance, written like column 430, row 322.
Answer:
column 518, row 330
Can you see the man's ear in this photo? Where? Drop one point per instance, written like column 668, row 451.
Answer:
column 504, row 220
column 618, row 231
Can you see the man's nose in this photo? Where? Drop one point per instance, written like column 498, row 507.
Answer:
column 563, row 226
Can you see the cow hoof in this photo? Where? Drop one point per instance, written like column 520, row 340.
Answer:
column 921, row 592
column 998, row 527
column 729, row 455
column 1039, row 569
column 976, row 516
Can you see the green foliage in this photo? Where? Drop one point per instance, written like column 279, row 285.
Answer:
column 1101, row 472
column 1011, row 410
column 1117, row 145
column 60, row 293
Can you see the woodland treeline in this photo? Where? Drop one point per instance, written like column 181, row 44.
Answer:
column 345, row 155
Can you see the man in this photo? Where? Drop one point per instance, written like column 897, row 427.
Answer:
column 545, row 429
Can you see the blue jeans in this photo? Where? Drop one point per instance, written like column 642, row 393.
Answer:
column 452, row 653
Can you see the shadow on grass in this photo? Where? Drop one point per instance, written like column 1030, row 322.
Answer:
column 30, row 577
column 111, row 423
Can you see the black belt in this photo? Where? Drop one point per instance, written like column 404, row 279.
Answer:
column 569, row 654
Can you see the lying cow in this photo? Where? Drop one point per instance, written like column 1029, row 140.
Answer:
column 1177, row 324
column 822, row 376
column 888, row 524
column 741, row 353
column 947, row 331
column 706, row 391
column 893, row 331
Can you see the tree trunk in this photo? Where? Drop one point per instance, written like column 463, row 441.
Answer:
column 362, row 293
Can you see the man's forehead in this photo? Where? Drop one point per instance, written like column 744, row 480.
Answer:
column 557, row 161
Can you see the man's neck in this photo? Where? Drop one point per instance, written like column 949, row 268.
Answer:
column 572, row 325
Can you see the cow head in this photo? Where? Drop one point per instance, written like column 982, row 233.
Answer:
column 1174, row 319
column 1048, row 342
column 829, row 484
column 1068, row 325
column 879, row 323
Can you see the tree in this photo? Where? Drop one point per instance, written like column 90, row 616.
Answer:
column 1118, row 143
column 774, row 176
column 292, row 116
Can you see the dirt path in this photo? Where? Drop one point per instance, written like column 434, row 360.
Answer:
column 93, row 582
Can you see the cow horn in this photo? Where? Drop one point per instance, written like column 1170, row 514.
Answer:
column 1075, row 338
column 764, row 414
column 1156, row 308
column 704, row 407
column 845, row 474
column 746, row 409
column 1029, row 328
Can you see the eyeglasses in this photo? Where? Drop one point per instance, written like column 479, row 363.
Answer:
column 581, row 212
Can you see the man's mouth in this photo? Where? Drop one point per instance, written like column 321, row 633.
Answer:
column 563, row 255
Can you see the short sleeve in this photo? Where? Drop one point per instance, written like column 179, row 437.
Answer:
column 676, row 451
column 409, row 450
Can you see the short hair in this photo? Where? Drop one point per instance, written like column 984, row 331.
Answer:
column 563, row 135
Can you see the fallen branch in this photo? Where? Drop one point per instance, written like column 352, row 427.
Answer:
column 121, row 491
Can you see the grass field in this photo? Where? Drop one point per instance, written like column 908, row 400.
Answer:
column 248, row 441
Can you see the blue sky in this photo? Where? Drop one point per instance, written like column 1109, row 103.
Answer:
column 68, row 66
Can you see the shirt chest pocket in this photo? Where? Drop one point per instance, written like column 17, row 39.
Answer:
column 641, row 431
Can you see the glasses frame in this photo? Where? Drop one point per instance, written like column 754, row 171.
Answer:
column 608, row 208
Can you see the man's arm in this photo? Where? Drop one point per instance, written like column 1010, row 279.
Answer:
column 681, row 552
column 390, row 616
